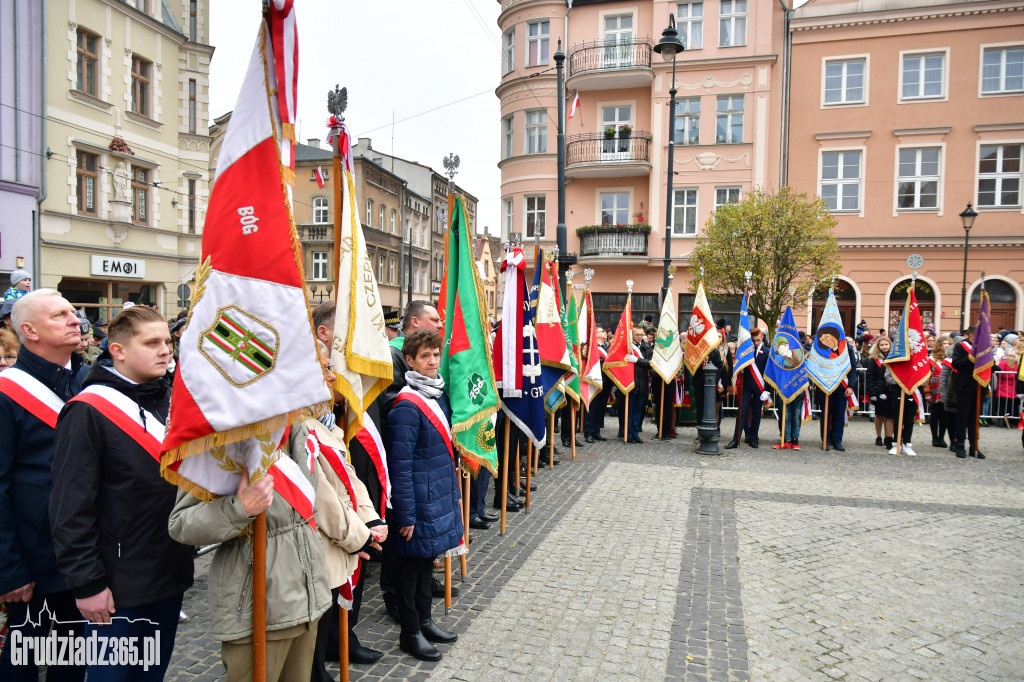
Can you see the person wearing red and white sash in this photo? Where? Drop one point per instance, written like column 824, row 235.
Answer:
column 755, row 392
column 426, row 515
column 966, row 397
column 349, row 526
column 32, row 393
column 937, row 410
column 109, row 508
column 594, row 419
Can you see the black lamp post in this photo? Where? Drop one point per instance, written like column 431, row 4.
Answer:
column 668, row 47
column 560, row 229
column 967, row 216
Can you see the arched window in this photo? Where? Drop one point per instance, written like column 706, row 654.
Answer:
column 846, row 301
column 925, row 301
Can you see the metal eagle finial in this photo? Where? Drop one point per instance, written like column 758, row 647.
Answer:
column 451, row 165
column 588, row 274
column 337, row 101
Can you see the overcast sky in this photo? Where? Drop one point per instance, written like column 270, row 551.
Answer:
column 431, row 64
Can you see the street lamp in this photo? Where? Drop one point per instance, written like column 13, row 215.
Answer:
column 668, row 47
column 560, row 229
column 967, row 216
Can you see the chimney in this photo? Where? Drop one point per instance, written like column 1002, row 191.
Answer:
column 364, row 144
column 314, row 142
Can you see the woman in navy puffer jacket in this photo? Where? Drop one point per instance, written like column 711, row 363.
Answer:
column 425, row 519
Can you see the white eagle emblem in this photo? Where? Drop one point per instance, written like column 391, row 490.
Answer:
column 696, row 325
column 915, row 340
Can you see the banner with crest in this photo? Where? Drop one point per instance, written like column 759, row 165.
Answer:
column 702, row 336
column 828, row 363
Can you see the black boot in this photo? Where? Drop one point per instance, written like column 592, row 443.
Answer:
column 435, row 634
column 732, row 445
column 418, row 647
column 887, row 442
column 357, row 653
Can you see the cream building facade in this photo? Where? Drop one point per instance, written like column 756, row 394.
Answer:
column 128, row 165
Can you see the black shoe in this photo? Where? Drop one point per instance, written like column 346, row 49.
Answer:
column 619, row 436
column 731, row 445
column 977, row 454
column 960, row 453
column 839, row 447
column 511, row 504
column 417, row 646
column 588, row 438
column 489, row 517
column 753, row 444
column 635, row 441
column 358, row 653
column 479, row 524
column 437, row 588
column 879, row 441
column 598, row 436
column 435, row 634
column 939, row 443
column 887, row 443
column 533, row 486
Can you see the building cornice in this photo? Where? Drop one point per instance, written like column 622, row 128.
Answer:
column 843, row 135
column 94, row 248
column 928, row 242
column 510, row 6
column 683, row 64
column 998, row 127
column 925, row 12
column 524, row 84
column 138, row 15
column 930, row 130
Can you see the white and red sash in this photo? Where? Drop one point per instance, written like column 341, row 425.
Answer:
column 27, row 391
column 126, row 415
column 369, row 438
column 432, row 411
column 291, row 484
column 756, row 373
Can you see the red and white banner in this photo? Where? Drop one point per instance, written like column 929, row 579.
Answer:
column 575, row 105
column 592, row 379
column 508, row 347
column 319, row 176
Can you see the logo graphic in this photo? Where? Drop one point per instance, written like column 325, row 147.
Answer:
column 915, row 340
column 791, row 356
column 477, row 389
column 240, row 345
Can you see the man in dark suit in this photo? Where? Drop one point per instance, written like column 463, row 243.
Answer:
column 594, row 419
column 837, row 399
column 966, row 397
column 640, row 357
column 754, row 388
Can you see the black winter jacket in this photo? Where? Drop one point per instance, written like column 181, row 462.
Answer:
column 109, row 507
column 26, row 456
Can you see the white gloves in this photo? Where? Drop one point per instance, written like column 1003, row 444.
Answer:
column 631, row 359
column 873, row 398
column 881, row 396
column 764, row 395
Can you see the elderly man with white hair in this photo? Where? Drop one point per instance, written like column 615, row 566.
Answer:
column 32, row 393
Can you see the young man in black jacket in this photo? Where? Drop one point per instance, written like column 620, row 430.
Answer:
column 109, row 508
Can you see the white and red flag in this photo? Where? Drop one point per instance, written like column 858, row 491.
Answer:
column 592, row 380
column 575, row 105
column 702, row 336
column 248, row 367
column 319, row 176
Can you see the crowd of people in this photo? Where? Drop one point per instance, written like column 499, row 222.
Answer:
column 95, row 543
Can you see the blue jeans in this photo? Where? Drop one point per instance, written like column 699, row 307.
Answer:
column 794, row 418
column 155, row 625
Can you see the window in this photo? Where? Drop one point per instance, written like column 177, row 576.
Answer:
column 85, row 180
column 192, row 105
column 507, row 148
column 506, row 219
column 614, row 118
column 393, row 229
column 193, row 26
column 684, row 211
column 840, row 180
column 534, row 215
column 391, row 271
column 191, row 206
column 86, row 68
column 537, row 42
column 380, row 216
column 536, row 131
column 508, row 51
column 687, row 128
column 729, row 126
column 140, row 85
column 140, row 195
column 999, row 175
column 369, row 212
column 844, row 81
column 1002, row 70
column 320, row 265
column 618, row 41
column 320, row 210
column 615, row 208
column 726, row 195
column 690, row 19
column 923, row 76
column 918, row 178
column 380, row 269
column 732, row 23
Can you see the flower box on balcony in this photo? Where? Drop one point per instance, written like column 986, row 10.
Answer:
column 625, row 131
column 635, row 228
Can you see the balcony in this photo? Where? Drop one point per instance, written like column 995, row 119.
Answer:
column 317, row 233
column 610, row 65
column 610, row 243
column 593, row 155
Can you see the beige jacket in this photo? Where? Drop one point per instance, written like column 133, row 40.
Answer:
column 297, row 590
column 342, row 523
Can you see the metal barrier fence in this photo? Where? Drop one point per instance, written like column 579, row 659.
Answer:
column 996, row 407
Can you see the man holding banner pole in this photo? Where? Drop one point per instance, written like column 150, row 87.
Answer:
column 833, row 369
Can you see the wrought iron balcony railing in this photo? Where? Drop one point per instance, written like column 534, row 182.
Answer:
column 610, row 55
column 612, row 242
column 590, row 148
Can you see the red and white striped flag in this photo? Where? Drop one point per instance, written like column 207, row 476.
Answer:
column 575, row 105
column 319, row 175
column 249, row 366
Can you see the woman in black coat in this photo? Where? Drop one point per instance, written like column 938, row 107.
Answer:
column 879, row 392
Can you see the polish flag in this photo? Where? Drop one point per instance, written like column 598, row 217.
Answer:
column 575, row 105
column 319, row 176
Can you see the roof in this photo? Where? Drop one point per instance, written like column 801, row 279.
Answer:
column 303, row 152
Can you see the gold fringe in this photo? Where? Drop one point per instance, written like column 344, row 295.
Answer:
column 288, row 131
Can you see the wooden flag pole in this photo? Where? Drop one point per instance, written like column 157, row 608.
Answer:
column 551, row 450
column 343, row 630
column 661, row 410
column 899, row 426
column 739, row 411
column 504, row 479
column 824, row 422
column 977, row 423
column 447, row 584
column 572, row 428
column 259, row 598
column 625, row 421
column 464, row 557
column 517, row 465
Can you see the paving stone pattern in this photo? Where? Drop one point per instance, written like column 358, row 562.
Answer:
column 652, row 562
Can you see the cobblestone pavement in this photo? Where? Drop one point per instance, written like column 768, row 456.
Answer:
column 653, row 562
